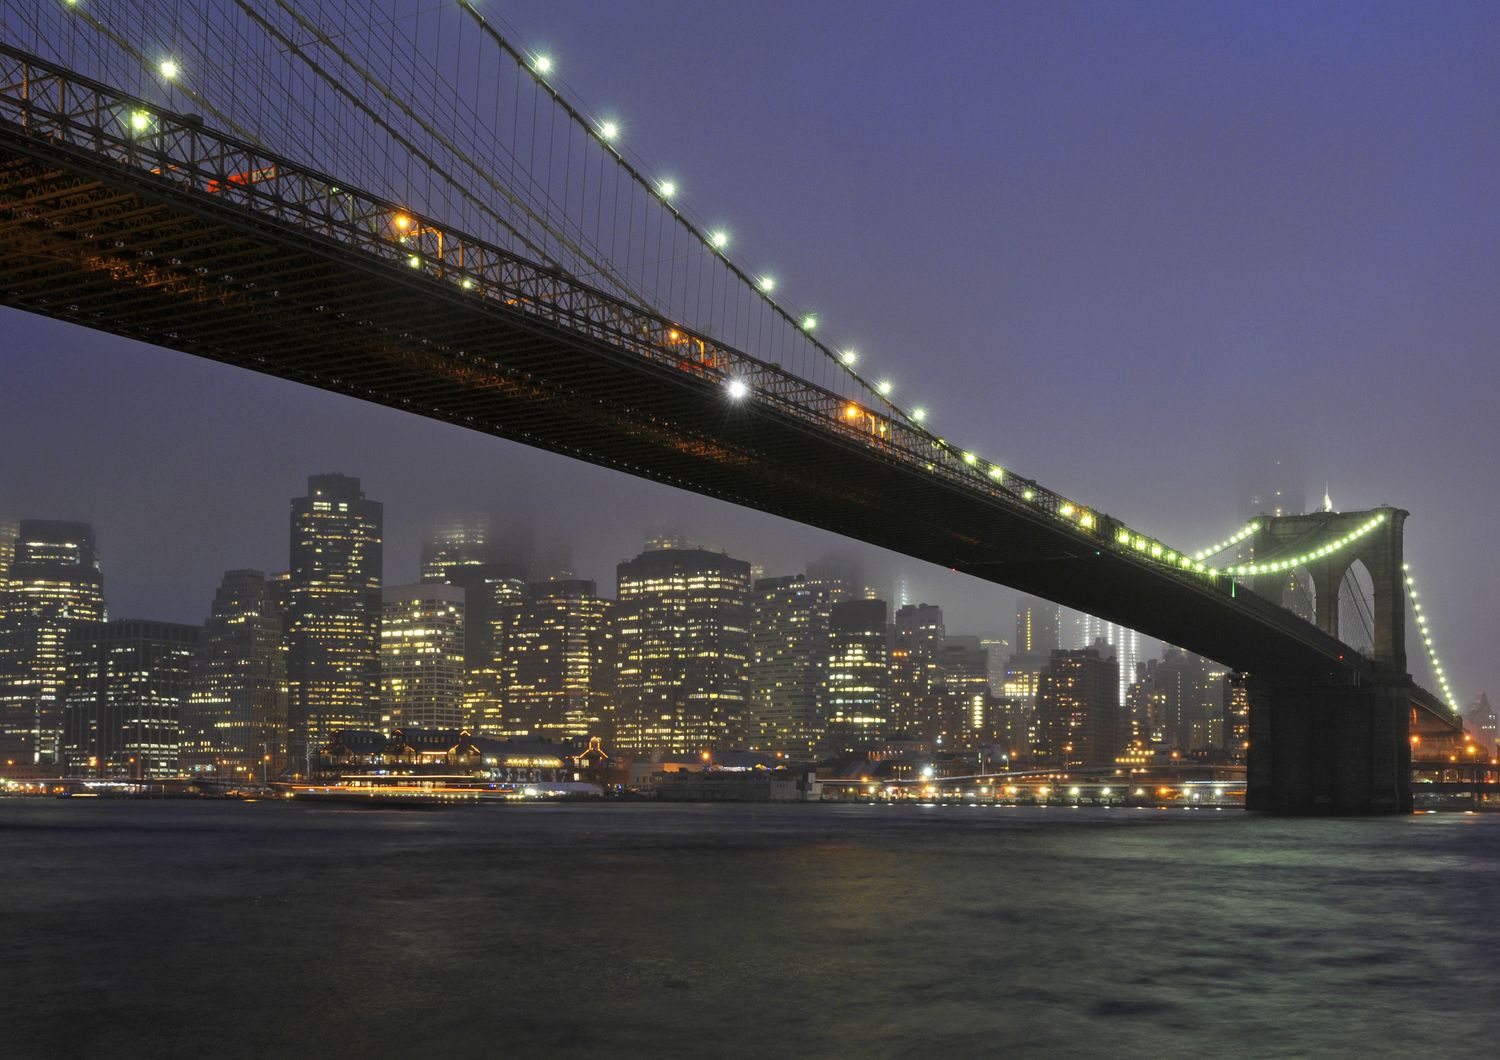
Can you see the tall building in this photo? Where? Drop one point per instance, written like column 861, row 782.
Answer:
column 559, row 662
column 455, row 542
column 682, row 677
column 1077, row 705
column 333, row 613
column 493, row 596
column 856, row 681
column 917, row 669
column 1181, row 694
column 969, row 712
column 127, row 685
column 235, row 720
column 422, row 657
column 789, row 649
column 997, row 651
column 1481, row 720
column 1126, row 644
column 1038, row 627
column 7, row 553
column 54, row 586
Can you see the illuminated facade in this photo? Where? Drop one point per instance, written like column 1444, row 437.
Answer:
column 917, row 670
column 1038, row 627
column 493, row 595
column 127, row 685
column 235, row 720
column 559, row 662
column 969, row 712
column 1187, row 702
column 459, row 542
column 1078, row 709
column 333, row 612
column 856, row 682
column 789, row 649
column 682, row 677
column 1126, row 644
column 54, row 586
column 422, row 657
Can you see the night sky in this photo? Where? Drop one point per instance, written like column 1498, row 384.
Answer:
column 1135, row 251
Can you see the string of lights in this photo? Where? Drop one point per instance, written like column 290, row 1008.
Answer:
column 1426, row 634
column 1230, row 541
column 1337, row 544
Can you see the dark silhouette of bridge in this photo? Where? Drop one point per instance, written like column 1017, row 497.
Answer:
column 126, row 214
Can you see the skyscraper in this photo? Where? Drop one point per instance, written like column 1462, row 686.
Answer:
column 968, row 713
column 1038, row 627
column 1125, row 642
column 917, row 669
column 790, row 642
column 7, row 553
column 559, row 661
column 333, row 612
column 682, row 677
column 856, row 682
column 493, row 597
column 454, row 542
column 1038, row 635
column 1181, row 692
column 422, row 656
column 1078, row 709
column 54, row 586
column 127, row 684
column 235, row 720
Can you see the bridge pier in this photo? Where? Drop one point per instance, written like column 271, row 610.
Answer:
column 1328, row 749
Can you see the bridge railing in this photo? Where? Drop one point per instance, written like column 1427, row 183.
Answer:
column 45, row 102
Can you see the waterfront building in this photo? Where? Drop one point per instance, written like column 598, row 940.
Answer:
column 917, row 669
column 559, row 658
column 127, row 683
column 1182, row 693
column 235, row 720
column 682, row 676
column 493, row 596
column 53, row 587
column 454, row 542
column 1078, row 711
column 969, row 714
column 333, row 612
column 422, row 656
column 856, row 681
column 789, row 645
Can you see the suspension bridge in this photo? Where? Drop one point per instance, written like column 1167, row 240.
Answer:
column 407, row 206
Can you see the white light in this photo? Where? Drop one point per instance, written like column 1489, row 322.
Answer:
column 738, row 389
column 609, row 130
column 718, row 238
column 140, row 121
column 809, row 322
column 849, row 357
column 414, row 261
column 918, row 415
column 668, row 188
column 885, row 387
column 542, row 64
column 168, row 68
column 767, row 283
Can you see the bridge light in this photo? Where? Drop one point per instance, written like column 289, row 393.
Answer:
column 468, row 284
column 809, row 322
column 1066, row 510
column 169, row 69
column 667, row 188
column 849, row 357
column 738, row 389
column 851, row 412
column 997, row 473
column 1028, row 495
column 1122, row 536
column 542, row 64
column 970, row 458
column 885, row 387
column 608, row 130
column 140, row 121
column 918, row 415
column 766, row 284
column 414, row 261
column 402, row 222
column 718, row 239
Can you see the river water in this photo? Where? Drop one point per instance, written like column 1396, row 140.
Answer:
column 222, row 930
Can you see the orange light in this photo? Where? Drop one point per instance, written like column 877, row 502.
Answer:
column 851, row 412
column 402, row 222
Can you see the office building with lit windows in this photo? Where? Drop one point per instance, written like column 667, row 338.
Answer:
column 917, row 670
column 234, row 723
column 127, row 684
column 493, row 597
column 789, row 649
column 559, row 662
column 856, row 681
column 53, row 586
column 333, row 613
column 452, row 543
column 1078, row 709
column 682, row 675
column 422, row 657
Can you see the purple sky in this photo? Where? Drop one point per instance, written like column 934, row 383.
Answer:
column 1130, row 250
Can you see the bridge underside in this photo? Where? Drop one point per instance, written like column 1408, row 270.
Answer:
column 100, row 245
